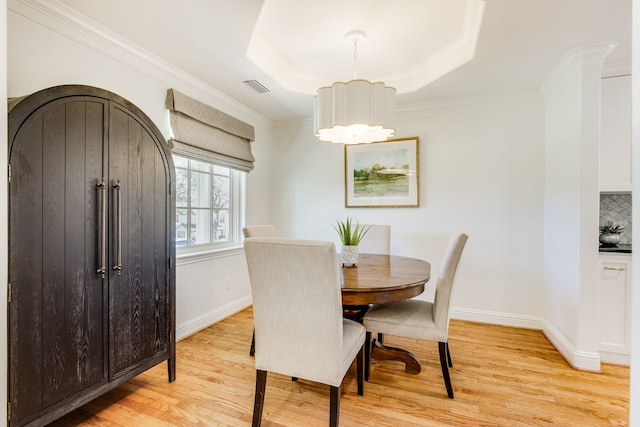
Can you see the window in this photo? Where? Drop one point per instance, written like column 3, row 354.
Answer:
column 207, row 204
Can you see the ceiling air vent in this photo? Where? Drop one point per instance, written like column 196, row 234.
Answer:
column 256, row 85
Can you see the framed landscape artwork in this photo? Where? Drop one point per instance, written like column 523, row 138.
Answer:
column 382, row 174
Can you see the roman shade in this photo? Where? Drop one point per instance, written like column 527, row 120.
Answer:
column 207, row 132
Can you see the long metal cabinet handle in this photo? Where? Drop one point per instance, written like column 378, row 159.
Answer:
column 103, row 226
column 614, row 268
column 118, row 266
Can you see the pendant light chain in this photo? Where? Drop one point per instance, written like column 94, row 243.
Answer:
column 357, row 111
column 355, row 58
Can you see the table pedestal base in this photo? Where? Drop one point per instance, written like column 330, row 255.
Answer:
column 382, row 352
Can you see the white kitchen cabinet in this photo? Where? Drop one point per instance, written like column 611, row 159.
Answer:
column 615, row 135
column 614, row 307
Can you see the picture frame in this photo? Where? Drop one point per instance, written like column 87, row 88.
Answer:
column 382, row 174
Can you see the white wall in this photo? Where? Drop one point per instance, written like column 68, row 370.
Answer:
column 481, row 171
column 43, row 53
column 561, row 285
column 572, row 96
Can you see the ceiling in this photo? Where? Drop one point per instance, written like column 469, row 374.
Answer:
column 422, row 47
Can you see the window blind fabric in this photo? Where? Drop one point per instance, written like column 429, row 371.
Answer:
column 207, row 132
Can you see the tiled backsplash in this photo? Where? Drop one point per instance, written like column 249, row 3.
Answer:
column 616, row 208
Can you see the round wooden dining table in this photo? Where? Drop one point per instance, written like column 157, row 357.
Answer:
column 381, row 279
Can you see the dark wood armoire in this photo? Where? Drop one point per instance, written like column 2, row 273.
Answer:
column 91, row 245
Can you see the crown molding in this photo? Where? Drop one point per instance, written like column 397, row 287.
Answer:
column 616, row 69
column 451, row 56
column 64, row 20
column 446, row 59
column 584, row 57
column 454, row 106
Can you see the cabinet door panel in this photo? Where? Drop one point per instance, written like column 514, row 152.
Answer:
column 615, row 134
column 25, row 269
column 138, row 296
column 58, row 340
column 154, row 239
column 613, row 305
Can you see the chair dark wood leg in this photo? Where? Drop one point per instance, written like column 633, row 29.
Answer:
column 380, row 338
column 367, row 356
column 360, row 363
column 449, row 356
column 335, row 405
column 252, row 350
column 261, row 383
column 442, row 348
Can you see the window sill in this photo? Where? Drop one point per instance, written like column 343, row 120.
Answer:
column 209, row 254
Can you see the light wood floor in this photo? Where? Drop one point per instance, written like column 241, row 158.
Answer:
column 501, row 376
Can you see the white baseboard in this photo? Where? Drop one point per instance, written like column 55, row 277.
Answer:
column 583, row 360
column 615, row 358
column 194, row 325
column 495, row 318
column 616, row 354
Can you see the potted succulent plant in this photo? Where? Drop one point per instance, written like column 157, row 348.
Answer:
column 610, row 233
column 350, row 233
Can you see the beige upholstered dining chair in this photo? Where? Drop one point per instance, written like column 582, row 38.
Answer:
column 258, row 231
column 297, row 306
column 377, row 240
column 422, row 319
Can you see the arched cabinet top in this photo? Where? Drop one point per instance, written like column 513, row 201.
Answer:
column 21, row 108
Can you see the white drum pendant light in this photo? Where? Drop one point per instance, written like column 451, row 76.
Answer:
column 357, row 111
